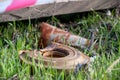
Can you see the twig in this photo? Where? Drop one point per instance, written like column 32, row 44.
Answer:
column 14, row 77
column 112, row 65
column 93, row 33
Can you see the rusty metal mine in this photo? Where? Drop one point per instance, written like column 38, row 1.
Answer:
column 58, row 56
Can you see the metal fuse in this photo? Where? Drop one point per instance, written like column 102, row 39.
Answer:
column 51, row 33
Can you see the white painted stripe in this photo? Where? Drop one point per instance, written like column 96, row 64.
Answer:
column 4, row 4
column 57, row 1
column 44, row 2
column 52, row 1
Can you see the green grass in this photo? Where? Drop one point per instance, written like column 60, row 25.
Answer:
column 15, row 36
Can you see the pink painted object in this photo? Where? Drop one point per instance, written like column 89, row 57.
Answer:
column 8, row 5
column 17, row 4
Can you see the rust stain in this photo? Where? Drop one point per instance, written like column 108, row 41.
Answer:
column 45, row 34
column 74, row 40
column 87, row 43
column 57, row 39
column 59, row 31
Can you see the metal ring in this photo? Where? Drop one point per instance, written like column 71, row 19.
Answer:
column 60, row 57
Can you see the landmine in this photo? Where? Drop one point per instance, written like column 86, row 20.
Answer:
column 55, row 51
column 56, row 56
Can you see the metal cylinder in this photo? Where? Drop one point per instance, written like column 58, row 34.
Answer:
column 51, row 33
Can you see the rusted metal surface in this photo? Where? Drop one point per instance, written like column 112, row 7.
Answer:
column 51, row 33
column 58, row 9
column 56, row 55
